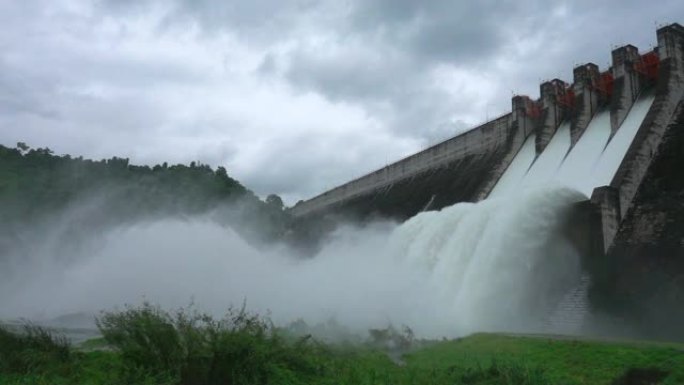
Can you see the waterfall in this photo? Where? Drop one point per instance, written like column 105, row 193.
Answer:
column 494, row 265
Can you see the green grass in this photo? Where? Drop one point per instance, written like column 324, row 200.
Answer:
column 565, row 361
column 148, row 346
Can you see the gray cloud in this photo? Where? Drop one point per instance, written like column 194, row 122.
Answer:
column 348, row 75
column 439, row 30
column 391, row 55
column 260, row 21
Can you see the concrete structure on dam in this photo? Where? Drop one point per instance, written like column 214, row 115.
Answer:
column 639, row 214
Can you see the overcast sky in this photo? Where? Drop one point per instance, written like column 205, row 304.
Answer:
column 291, row 96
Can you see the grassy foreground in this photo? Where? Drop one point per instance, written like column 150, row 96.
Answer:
column 148, row 346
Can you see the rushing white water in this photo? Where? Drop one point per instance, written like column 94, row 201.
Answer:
column 617, row 147
column 494, row 265
column 513, row 176
column 578, row 167
column 546, row 166
column 591, row 163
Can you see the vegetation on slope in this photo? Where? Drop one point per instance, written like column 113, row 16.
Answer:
column 36, row 181
column 36, row 185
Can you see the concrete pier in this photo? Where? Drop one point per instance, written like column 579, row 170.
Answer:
column 607, row 200
column 587, row 97
column 627, row 84
column 553, row 111
column 524, row 120
column 669, row 93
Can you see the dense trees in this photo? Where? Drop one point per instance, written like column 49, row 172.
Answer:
column 36, row 184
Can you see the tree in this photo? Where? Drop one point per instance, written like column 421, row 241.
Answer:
column 23, row 147
column 275, row 201
column 221, row 172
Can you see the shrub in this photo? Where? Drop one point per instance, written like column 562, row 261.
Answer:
column 196, row 349
column 392, row 339
column 147, row 340
column 32, row 349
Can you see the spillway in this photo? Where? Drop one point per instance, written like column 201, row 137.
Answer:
column 546, row 165
column 577, row 169
column 516, row 171
column 484, row 259
column 591, row 163
column 616, row 149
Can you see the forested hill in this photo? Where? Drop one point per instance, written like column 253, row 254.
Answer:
column 36, row 184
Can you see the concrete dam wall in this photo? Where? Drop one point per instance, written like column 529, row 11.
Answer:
column 455, row 170
column 632, row 103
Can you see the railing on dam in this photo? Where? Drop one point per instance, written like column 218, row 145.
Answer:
column 486, row 136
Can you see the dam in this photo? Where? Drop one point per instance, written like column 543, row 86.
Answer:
column 616, row 136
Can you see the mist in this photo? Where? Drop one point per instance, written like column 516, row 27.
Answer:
column 498, row 265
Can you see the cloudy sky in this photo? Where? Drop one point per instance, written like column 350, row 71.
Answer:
column 291, row 96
